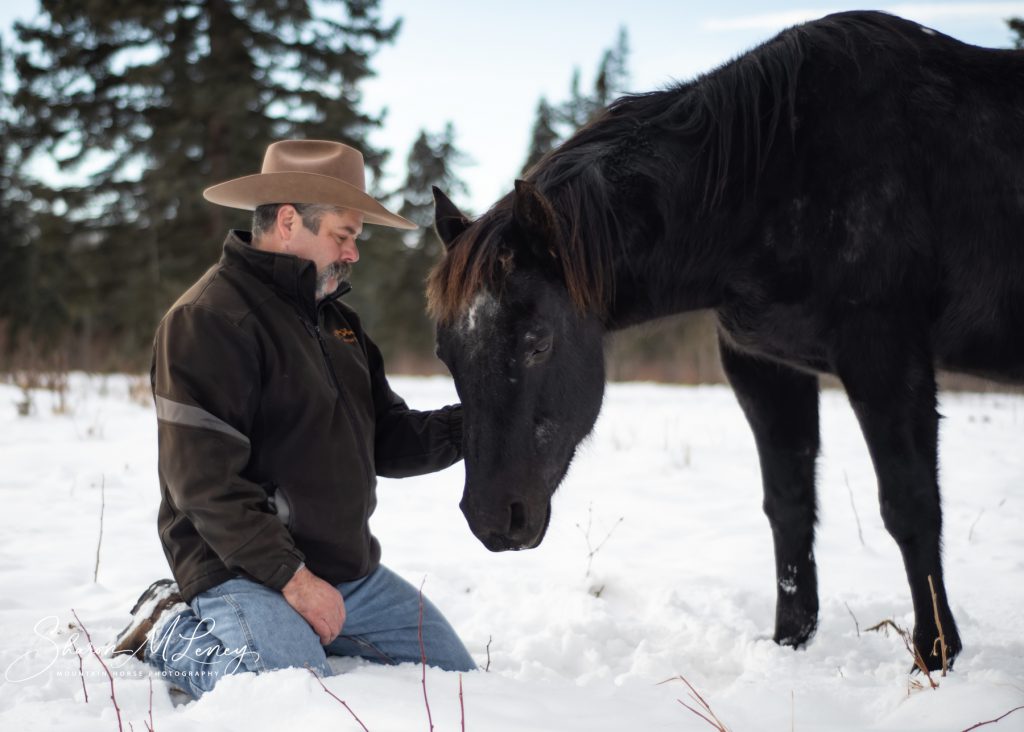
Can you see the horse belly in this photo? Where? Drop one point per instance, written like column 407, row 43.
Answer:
column 986, row 340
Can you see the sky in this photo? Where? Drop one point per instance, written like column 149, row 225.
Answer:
column 483, row 65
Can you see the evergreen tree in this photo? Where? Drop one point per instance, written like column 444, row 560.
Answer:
column 14, row 259
column 613, row 73
column 163, row 98
column 1017, row 26
column 544, row 137
column 398, row 262
column 553, row 124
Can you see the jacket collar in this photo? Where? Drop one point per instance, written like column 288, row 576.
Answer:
column 291, row 277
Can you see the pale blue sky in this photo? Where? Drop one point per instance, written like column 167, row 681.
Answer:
column 483, row 65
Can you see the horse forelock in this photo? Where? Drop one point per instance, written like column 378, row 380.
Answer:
column 481, row 259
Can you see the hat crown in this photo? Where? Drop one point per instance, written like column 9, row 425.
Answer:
column 321, row 157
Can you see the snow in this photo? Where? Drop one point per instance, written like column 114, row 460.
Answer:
column 580, row 631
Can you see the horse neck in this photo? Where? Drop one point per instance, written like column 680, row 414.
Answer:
column 666, row 259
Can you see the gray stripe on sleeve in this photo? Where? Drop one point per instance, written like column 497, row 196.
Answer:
column 190, row 416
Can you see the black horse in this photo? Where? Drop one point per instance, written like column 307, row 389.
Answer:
column 849, row 199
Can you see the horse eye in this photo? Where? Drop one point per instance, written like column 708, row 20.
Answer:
column 538, row 349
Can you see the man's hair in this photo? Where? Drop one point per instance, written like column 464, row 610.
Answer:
column 264, row 217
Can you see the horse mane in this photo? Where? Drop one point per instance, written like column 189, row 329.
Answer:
column 722, row 125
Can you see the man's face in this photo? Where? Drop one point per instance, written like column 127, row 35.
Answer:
column 333, row 249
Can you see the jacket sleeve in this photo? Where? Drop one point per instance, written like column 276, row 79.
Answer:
column 407, row 441
column 206, row 381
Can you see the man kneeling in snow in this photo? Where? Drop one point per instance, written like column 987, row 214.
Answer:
column 275, row 417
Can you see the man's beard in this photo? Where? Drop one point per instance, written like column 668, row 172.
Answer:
column 337, row 271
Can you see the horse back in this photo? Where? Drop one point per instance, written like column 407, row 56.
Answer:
column 900, row 189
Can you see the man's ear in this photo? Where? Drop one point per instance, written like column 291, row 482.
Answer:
column 533, row 216
column 448, row 220
column 287, row 221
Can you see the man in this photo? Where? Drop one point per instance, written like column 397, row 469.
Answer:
column 275, row 417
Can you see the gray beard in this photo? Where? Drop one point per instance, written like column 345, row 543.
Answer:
column 337, row 271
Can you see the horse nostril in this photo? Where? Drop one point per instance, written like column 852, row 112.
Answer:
column 517, row 517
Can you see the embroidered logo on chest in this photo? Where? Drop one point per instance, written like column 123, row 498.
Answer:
column 345, row 335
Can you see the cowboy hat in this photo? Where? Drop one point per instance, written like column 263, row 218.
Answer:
column 307, row 171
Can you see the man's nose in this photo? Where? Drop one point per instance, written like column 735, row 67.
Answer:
column 350, row 253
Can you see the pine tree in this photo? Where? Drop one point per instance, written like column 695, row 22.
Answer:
column 1017, row 26
column 613, row 72
column 398, row 261
column 553, row 124
column 14, row 242
column 166, row 97
column 544, row 137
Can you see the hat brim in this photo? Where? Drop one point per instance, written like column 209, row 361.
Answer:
column 299, row 187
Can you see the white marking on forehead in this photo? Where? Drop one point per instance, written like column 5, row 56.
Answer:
column 483, row 303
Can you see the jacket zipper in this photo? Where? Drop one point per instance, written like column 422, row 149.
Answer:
column 346, row 407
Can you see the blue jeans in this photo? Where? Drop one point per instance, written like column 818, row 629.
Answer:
column 241, row 626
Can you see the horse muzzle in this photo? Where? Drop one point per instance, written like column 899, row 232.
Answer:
column 509, row 525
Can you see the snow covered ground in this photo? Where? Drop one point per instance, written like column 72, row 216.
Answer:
column 683, row 584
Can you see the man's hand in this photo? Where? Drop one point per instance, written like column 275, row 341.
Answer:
column 318, row 602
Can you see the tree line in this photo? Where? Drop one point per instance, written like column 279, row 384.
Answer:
column 137, row 107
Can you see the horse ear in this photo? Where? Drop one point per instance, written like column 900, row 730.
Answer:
column 448, row 220
column 534, row 216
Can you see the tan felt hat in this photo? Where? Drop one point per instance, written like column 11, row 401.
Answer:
column 307, row 171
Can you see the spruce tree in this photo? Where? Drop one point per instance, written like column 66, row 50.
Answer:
column 553, row 124
column 1017, row 26
column 163, row 98
column 544, row 136
column 395, row 309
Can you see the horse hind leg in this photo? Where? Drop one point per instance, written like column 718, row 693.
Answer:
column 890, row 382
column 781, row 405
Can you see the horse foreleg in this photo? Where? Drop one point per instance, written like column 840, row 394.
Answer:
column 781, row 405
column 890, row 381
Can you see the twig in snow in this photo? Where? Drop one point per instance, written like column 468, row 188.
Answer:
column 81, row 671
column 337, row 698
column 462, row 707
column 150, row 725
column 99, row 658
column 970, row 533
column 423, row 659
column 99, row 542
column 708, row 715
column 993, row 721
column 487, row 668
column 911, row 648
column 592, row 550
column 860, row 534
column 855, row 623
column 941, row 640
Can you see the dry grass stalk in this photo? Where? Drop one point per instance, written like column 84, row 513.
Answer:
column 81, row 671
column 941, row 640
column 708, row 715
column 149, row 726
column 99, row 541
column 337, row 698
column 99, row 658
column 911, row 649
column 592, row 550
column 993, row 721
column 856, row 516
column 855, row 623
column 462, row 707
column 423, row 659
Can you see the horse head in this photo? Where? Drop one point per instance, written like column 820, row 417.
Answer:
column 528, row 365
